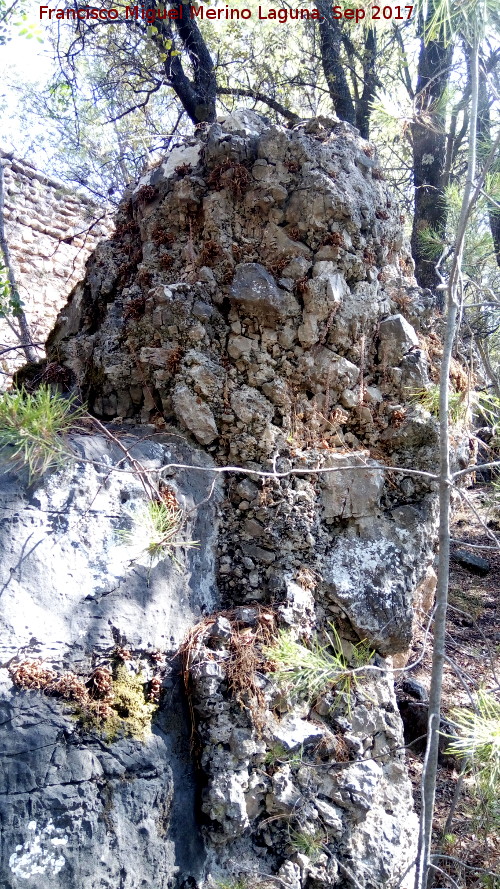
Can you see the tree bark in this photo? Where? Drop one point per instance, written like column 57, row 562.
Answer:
column 260, row 97
column 330, row 42
column 363, row 109
column 429, row 149
column 197, row 95
column 484, row 138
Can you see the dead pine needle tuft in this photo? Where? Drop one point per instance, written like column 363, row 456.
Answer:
column 249, row 632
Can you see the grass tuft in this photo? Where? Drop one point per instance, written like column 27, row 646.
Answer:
column 479, row 734
column 33, row 426
column 306, row 843
column 479, row 742
column 428, row 399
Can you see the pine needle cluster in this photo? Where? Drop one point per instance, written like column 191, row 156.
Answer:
column 33, row 427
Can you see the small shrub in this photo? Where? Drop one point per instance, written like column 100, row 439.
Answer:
column 307, row 843
column 307, row 673
column 479, row 741
column 429, row 400
column 157, row 528
column 33, row 426
column 479, row 735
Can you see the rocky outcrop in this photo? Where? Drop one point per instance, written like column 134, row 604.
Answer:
column 255, row 308
column 248, row 298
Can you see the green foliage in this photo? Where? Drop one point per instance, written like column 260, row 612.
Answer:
column 488, row 407
column 306, row 673
column 308, row 843
column 14, row 15
column 428, row 398
column 453, row 18
column 10, row 301
column 156, row 530
column 479, row 734
column 362, row 654
column 277, row 753
column 162, row 525
column 484, row 404
column 33, row 426
column 430, row 242
column 232, row 884
column 479, row 741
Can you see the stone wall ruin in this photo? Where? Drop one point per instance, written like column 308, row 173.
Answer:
column 50, row 232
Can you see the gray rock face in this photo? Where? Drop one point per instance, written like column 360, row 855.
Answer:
column 80, row 813
column 351, row 493
column 73, row 584
column 75, row 811
column 194, row 414
column 364, row 807
column 397, row 337
column 373, row 577
column 255, row 290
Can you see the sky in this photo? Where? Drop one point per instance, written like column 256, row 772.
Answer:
column 27, row 61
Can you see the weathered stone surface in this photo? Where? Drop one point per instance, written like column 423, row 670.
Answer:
column 373, row 576
column 415, row 689
column 77, row 585
column 293, row 732
column 397, row 337
column 351, row 493
column 475, row 564
column 189, row 154
column 75, row 811
column 255, row 290
column 194, row 414
column 277, row 242
column 250, row 406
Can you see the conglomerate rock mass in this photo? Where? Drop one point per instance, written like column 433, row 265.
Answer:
column 256, row 307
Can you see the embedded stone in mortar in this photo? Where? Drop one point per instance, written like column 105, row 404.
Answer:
column 369, row 578
column 351, row 493
column 397, row 337
column 255, row 289
column 194, row 414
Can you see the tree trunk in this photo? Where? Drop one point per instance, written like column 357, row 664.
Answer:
column 363, row 110
column 330, row 41
column 484, row 138
column 429, row 149
column 424, row 865
column 198, row 94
